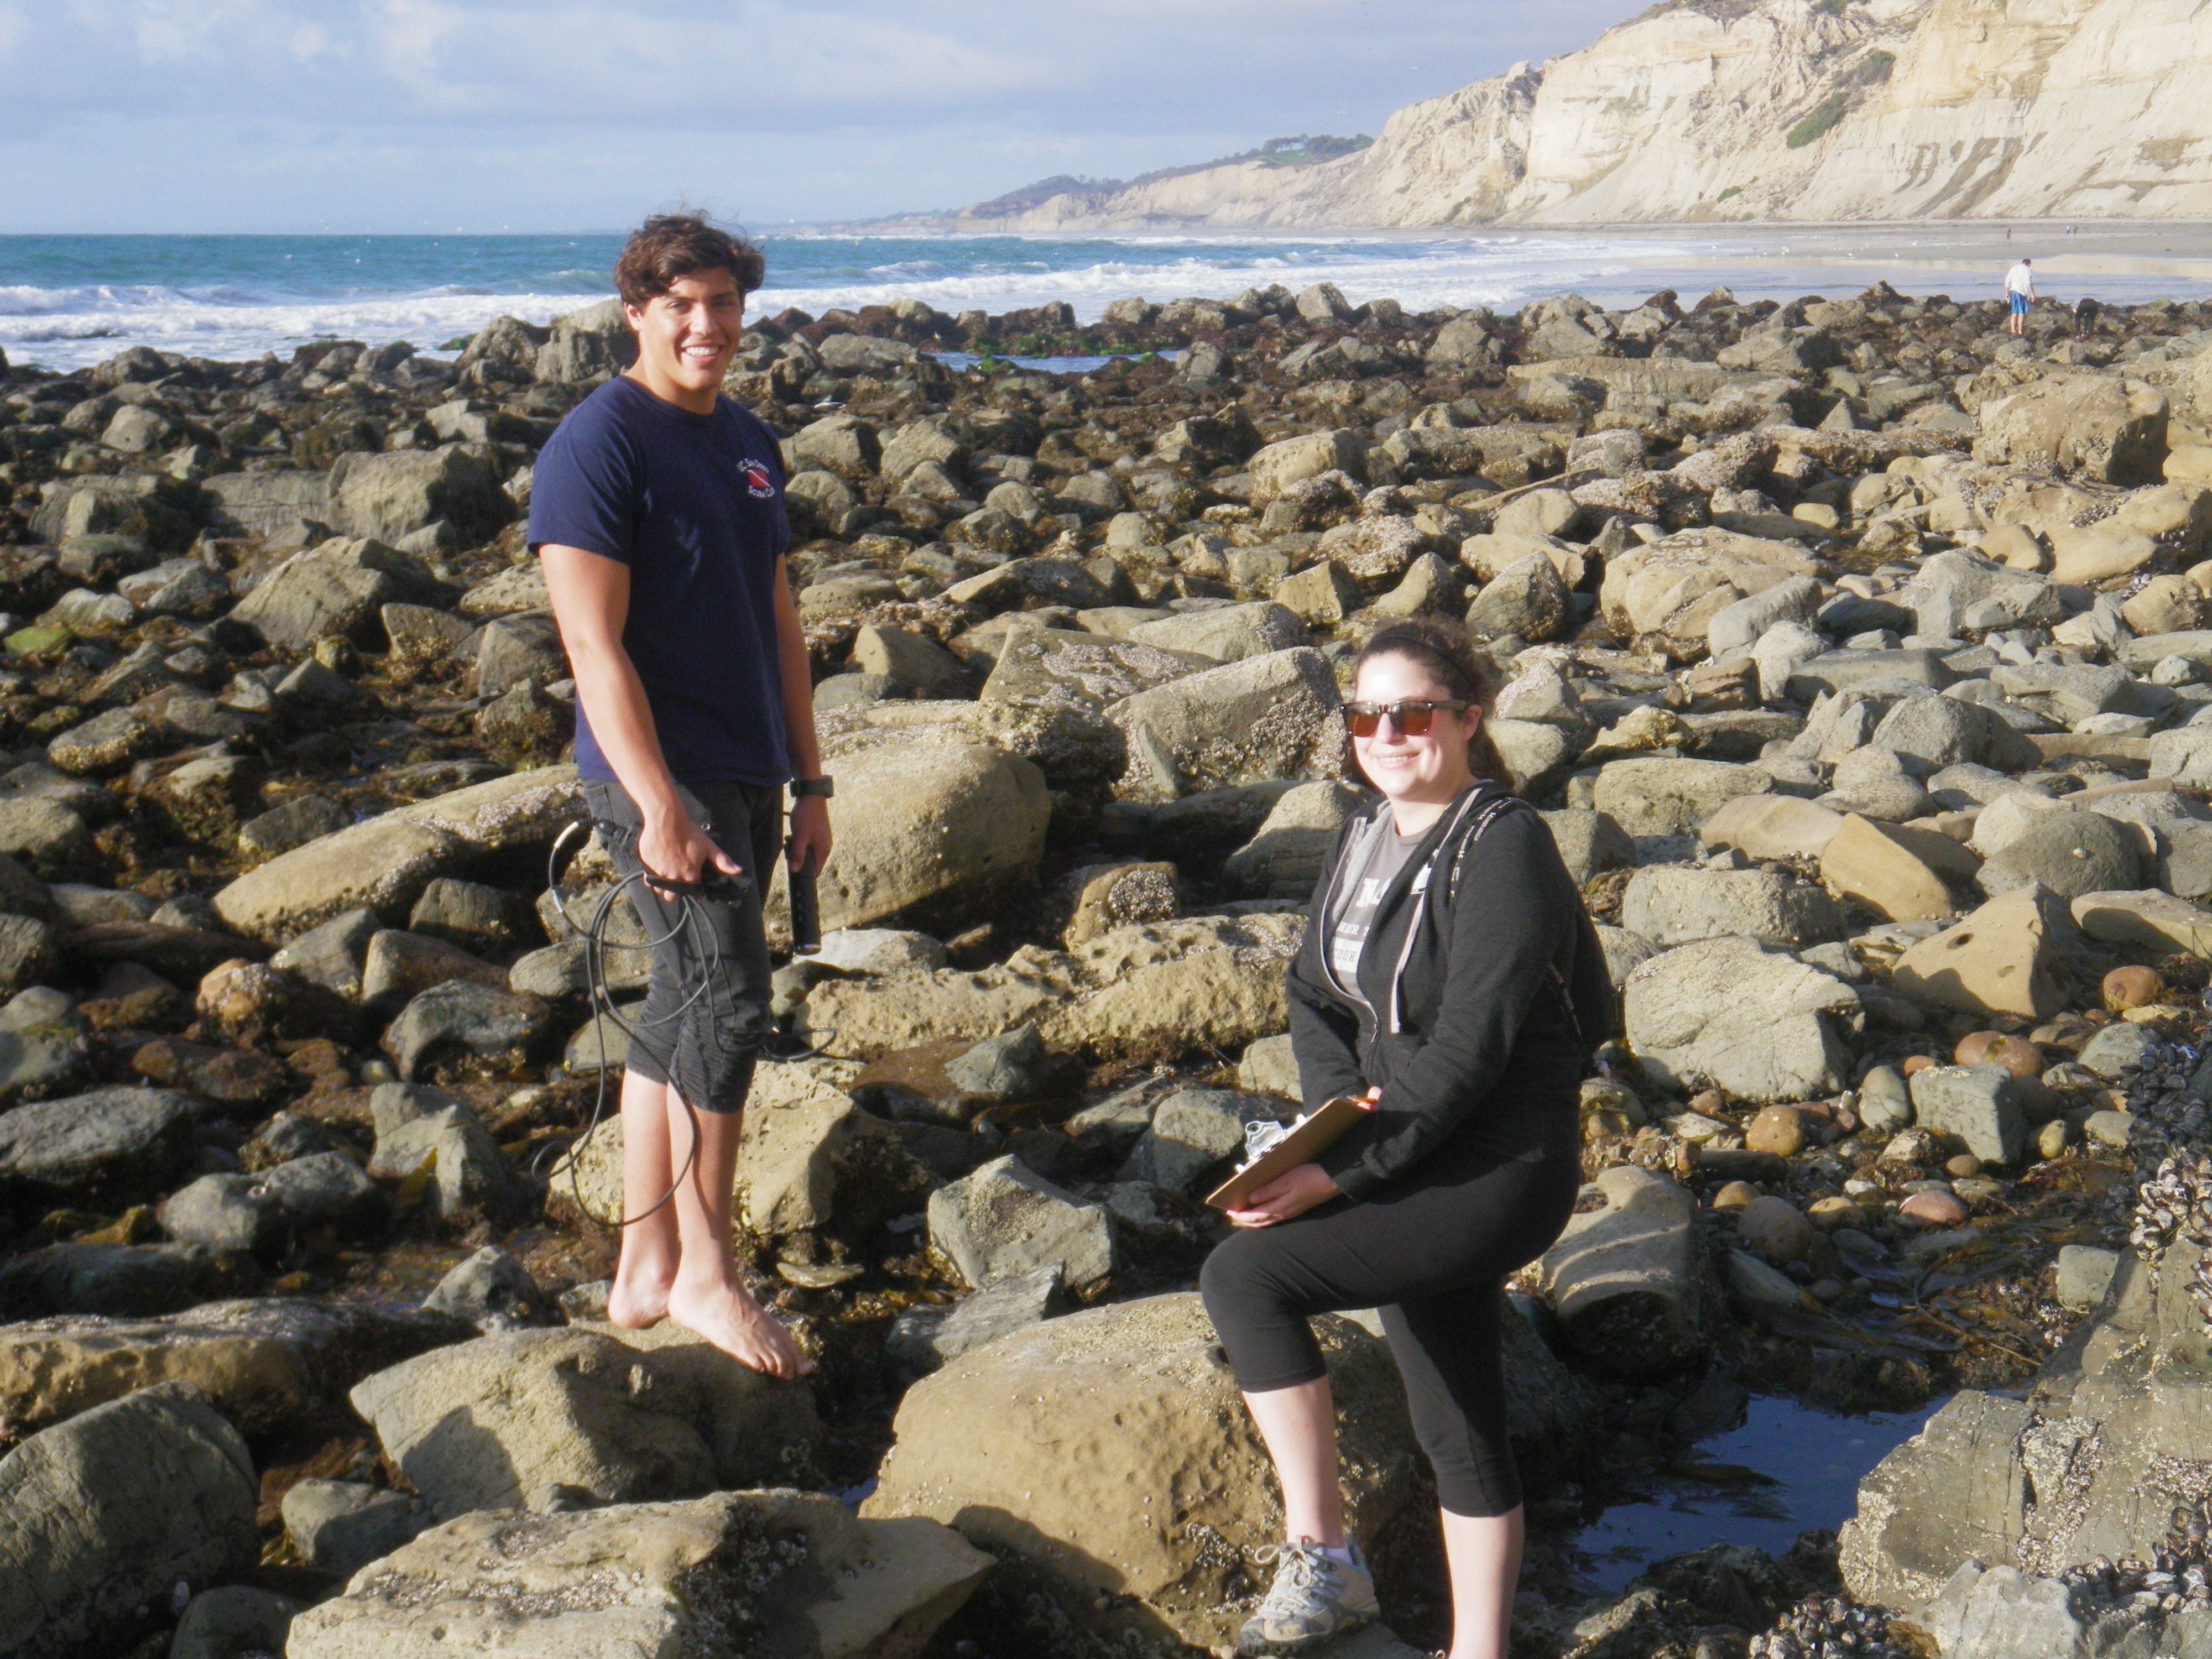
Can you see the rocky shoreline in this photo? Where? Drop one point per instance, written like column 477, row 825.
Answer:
column 1860, row 657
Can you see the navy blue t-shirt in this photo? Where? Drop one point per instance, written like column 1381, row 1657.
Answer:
column 693, row 504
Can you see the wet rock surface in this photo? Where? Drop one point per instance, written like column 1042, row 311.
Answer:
column 1855, row 651
column 769, row 1571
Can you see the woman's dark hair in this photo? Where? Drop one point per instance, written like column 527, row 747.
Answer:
column 670, row 247
column 1449, row 653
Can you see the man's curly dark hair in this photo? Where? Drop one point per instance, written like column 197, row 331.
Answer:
column 670, row 247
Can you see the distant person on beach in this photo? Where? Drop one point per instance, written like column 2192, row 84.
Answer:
column 2019, row 292
column 657, row 511
column 1452, row 977
column 2085, row 317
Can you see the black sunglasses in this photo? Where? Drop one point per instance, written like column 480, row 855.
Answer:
column 1412, row 719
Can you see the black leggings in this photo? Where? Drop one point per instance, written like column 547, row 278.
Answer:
column 1432, row 1252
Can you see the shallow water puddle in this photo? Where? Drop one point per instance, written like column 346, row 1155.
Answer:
column 961, row 361
column 1812, row 1462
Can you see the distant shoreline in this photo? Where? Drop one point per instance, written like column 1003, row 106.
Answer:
column 2177, row 249
column 925, row 225
column 70, row 302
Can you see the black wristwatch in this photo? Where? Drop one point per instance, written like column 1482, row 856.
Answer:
column 825, row 787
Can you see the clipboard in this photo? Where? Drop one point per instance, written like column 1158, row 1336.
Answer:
column 1314, row 1135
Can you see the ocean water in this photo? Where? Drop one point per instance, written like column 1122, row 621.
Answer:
column 66, row 302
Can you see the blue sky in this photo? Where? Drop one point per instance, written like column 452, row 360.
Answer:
column 558, row 115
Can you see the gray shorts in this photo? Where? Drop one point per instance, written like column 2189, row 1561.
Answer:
column 706, row 1009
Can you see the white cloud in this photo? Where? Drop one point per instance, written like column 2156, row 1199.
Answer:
column 169, row 30
column 386, row 113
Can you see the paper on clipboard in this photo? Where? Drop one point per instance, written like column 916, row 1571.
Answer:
column 1312, row 1136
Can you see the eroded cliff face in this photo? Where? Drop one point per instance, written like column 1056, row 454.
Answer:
column 1900, row 109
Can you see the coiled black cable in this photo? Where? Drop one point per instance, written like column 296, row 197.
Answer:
column 593, row 934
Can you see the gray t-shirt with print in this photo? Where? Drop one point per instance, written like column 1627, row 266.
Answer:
column 1359, row 894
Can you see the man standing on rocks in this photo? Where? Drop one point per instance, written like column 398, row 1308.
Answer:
column 656, row 510
column 2019, row 294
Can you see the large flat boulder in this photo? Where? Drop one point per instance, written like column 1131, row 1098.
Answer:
column 118, row 1139
column 929, row 828
column 1133, row 1399
column 394, row 494
column 124, row 1281
column 1065, row 668
column 2147, row 918
column 1156, row 987
column 1005, row 1220
column 1996, row 960
column 1760, row 1024
column 1671, row 904
column 1671, row 589
column 337, row 590
column 523, row 809
column 262, row 504
column 265, row 1363
column 1146, row 988
column 1264, row 717
column 1903, row 873
column 1844, row 670
column 1288, row 461
column 102, row 1514
column 522, row 1418
column 1229, row 633
column 1769, row 826
column 855, row 1019
column 2103, row 426
column 1662, row 797
column 767, row 1572
column 385, row 863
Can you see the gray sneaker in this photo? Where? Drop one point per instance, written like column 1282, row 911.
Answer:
column 1312, row 1600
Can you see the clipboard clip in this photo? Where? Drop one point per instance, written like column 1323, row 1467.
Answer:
column 1280, row 1146
column 1261, row 1136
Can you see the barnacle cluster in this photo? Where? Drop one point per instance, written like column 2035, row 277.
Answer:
column 2174, row 1206
column 2176, row 1576
column 1827, row 1627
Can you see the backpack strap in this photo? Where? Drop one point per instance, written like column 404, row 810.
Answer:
column 1557, row 980
column 1420, row 892
column 1483, row 820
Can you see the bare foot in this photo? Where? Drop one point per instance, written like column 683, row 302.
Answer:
column 730, row 1319
column 637, row 1300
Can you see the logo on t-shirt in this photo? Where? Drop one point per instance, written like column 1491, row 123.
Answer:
column 758, row 479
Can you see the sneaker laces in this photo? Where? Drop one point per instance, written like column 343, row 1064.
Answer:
column 1299, row 1568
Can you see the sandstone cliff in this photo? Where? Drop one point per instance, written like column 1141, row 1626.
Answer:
column 1732, row 109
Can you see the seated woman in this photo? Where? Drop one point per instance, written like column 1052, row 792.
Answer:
column 1449, row 974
